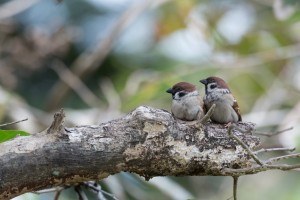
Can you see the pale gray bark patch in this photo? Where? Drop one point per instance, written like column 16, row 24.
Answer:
column 147, row 141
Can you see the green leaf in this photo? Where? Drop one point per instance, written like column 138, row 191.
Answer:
column 9, row 134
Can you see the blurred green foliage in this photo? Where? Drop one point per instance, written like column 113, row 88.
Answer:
column 9, row 134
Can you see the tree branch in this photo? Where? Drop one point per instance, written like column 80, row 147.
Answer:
column 147, row 141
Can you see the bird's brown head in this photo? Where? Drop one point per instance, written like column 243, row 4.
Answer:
column 181, row 88
column 214, row 83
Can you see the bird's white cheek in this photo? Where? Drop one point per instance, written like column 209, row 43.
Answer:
column 176, row 96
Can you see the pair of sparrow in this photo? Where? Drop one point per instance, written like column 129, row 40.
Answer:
column 188, row 105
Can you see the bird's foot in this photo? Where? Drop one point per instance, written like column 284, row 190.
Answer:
column 227, row 125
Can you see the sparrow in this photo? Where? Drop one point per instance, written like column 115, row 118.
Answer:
column 217, row 92
column 186, row 102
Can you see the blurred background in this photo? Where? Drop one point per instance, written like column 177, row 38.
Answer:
column 100, row 59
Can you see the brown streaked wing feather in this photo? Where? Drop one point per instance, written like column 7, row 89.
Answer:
column 236, row 108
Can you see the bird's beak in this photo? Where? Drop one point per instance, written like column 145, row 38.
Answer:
column 203, row 81
column 170, row 90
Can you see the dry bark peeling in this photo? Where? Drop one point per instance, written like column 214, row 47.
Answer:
column 147, row 141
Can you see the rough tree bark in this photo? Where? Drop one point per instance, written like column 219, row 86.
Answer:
column 147, row 141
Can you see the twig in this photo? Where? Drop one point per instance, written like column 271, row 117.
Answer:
column 55, row 189
column 110, row 195
column 95, row 187
column 208, row 114
column 291, row 149
column 15, row 122
column 76, row 84
column 230, row 133
column 57, row 194
column 271, row 160
column 235, row 184
column 283, row 166
column 80, row 192
column 270, row 134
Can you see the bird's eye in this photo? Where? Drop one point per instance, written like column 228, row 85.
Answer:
column 212, row 86
column 181, row 94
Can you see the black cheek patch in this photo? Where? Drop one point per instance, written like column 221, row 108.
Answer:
column 181, row 94
column 213, row 86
